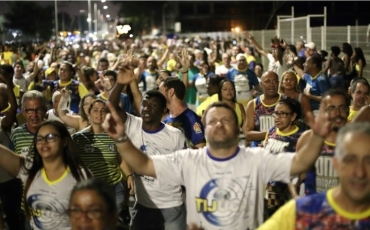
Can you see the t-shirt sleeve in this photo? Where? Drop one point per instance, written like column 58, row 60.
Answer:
column 196, row 130
column 252, row 77
column 283, row 219
column 182, row 142
column 323, row 84
column 169, row 168
column 82, row 91
column 276, row 167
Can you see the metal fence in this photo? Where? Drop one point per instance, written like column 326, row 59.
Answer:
column 335, row 36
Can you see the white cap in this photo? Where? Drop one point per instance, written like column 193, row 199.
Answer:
column 240, row 57
column 310, row 45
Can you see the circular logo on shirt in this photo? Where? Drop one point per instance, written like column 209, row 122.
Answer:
column 222, row 201
column 197, row 128
column 47, row 211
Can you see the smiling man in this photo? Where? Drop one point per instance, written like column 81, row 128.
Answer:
column 158, row 206
column 322, row 176
column 346, row 206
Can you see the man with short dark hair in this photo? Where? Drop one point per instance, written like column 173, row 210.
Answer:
column 359, row 92
column 316, row 81
column 223, row 179
column 158, row 206
column 180, row 116
column 103, row 64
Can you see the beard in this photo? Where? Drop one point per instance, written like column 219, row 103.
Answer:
column 227, row 143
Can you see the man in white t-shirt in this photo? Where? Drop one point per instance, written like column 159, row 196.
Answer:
column 158, row 205
column 224, row 182
column 223, row 69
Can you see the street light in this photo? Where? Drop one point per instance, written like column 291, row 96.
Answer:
column 102, row 0
column 107, row 16
column 105, row 7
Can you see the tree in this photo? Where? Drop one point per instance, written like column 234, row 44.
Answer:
column 30, row 18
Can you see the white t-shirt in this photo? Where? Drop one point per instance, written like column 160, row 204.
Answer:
column 276, row 67
column 22, row 83
column 48, row 200
column 224, row 193
column 222, row 70
column 200, row 84
column 51, row 116
column 164, row 141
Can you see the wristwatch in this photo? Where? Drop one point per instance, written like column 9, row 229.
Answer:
column 121, row 139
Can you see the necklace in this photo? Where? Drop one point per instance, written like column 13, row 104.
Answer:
column 6, row 109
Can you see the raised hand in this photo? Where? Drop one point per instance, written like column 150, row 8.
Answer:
column 113, row 124
column 125, row 69
column 184, row 59
column 321, row 125
column 248, row 35
column 105, row 82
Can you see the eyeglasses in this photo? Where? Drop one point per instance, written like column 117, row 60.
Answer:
column 75, row 213
column 341, row 109
column 37, row 110
column 280, row 114
column 49, row 138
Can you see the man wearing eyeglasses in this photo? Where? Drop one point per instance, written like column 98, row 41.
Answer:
column 322, row 176
column 34, row 110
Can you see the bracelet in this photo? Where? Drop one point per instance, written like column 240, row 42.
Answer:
column 110, row 89
column 121, row 139
column 185, row 71
column 132, row 175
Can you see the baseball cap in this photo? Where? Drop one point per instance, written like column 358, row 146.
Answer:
column 240, row 57
column 49, row 71
column 310, row 45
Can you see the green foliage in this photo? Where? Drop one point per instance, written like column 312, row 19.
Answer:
column 30, row 18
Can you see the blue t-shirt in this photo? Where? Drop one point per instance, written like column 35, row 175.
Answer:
column 319, row 85
column 190, row 124
column 149, row 80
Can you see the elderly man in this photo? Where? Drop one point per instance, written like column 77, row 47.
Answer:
column 345, row 206
column 224, row 182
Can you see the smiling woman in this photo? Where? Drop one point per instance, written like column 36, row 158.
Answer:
column 49, row 176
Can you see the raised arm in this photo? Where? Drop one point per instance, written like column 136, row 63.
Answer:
column 139, row 162
column 10, row 161
column 251, row 40
column 248, row 127
column 310, row 143
column 72, row 121
column 185, row 63
column 8, row 121
column 163, row 58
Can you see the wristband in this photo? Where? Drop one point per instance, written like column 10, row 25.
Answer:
column 185, row 71
column 130, row 175
column 121, row 139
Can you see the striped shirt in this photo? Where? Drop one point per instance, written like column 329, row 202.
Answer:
column 21, row 140
column 99, row 154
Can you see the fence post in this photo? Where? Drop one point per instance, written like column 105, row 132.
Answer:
column 322, row 38
column 349, row 34
column 356, row 32
column 308, row 35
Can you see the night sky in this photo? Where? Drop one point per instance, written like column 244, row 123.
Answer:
column 340, row 13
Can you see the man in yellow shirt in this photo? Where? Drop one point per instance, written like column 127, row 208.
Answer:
column 359, row 92
column 346, row 206
column 213, row 84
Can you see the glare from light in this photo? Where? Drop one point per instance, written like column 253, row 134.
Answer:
column 89, row 19
column 91, row 35
column 105, row 7
column 106, row 32
column 103, row 0
column 131, row 35
column 108, row 16
column 69, row 33
column 123, row 29
column 237, row 29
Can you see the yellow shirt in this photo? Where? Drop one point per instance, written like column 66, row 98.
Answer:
column 249, row 58
column 352, row 114
column 285, row 217
column 171, row 64
column 8, row 57
column 204, row 105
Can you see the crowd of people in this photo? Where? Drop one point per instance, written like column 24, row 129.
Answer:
column 198, row 130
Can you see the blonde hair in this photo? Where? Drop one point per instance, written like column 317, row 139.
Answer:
column 281, row 88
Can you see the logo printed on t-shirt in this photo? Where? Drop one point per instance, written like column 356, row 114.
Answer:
column 197, row 128
column 89, row 148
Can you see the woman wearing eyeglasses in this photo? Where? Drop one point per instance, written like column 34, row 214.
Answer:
column 92, row 206
column 49, row 176
column 282, row 137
